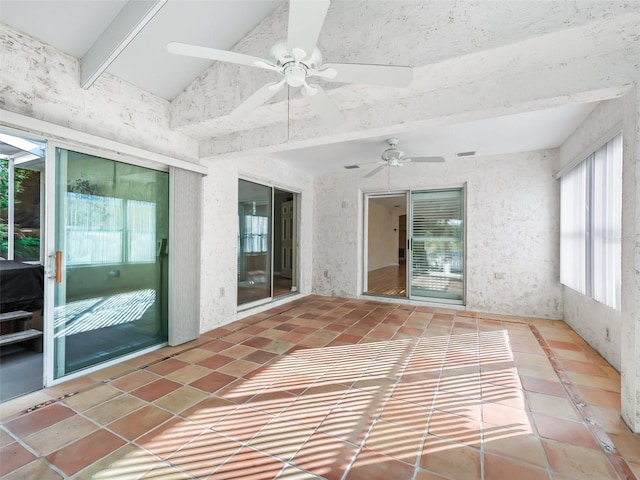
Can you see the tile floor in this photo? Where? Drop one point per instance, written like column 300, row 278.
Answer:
column 337, row 389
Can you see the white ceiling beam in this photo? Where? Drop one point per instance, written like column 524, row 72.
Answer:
column 128, row 23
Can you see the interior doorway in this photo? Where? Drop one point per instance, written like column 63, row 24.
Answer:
column 386, row 245
column 267, row 243
column 415, row 245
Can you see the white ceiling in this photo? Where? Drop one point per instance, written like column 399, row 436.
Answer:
column 522, row 132
column 73, row 26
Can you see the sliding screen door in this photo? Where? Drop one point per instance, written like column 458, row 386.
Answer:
column 111, row 235
column 437, row 245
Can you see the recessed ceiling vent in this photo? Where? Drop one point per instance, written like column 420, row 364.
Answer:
column 470, row 153
column 351, row 167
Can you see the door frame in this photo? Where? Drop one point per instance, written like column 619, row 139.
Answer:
column 49, row 261
column 408, row 253
column 365, row 237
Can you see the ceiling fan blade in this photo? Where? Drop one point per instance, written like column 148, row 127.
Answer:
column 374, row 171
column 425, row 159
column 322, row 104
column 215, row 54
column 305, row 21
column 386, row 75
column 261, row 95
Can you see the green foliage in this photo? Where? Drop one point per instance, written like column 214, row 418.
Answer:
column 20, row 175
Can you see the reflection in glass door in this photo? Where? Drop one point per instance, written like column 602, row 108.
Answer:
column 112, row 227
column 437, row 245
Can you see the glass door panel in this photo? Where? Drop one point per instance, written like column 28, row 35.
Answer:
column 112, row 228
column 254, row 242
column 437, row 245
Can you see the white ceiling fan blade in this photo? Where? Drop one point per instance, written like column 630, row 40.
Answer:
column 305, row 21
column 374, row 171
column 261, row 95
column 322, row 104
column 215, row 54
column 386, row 75
column 424, row 159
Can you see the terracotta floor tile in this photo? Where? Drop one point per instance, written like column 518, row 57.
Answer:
column 600, row 398
column 358, row 371
column 5, row 438
column 92, row 397
column 39, row 419
column 249, row 464
column 165, row 440
column 113, row 409
column 56, row 436
column 346, row 425
column 280, row 438
column 243, row 424
column 188, row 374
column 85, row 451
column 578, row 462
column 452, row 427
column 498, row 468
column 156, row 389
column 238, row 368
column 126, row 463
column 627, row 444
column 325, row 456
column 203, row 455
column 454, row 461
column 566, row 431
column 209, row 411
column 134, row 380
column 212, row 382
column 167, row 366
column 526, row 448
column 393, row 440
column 543, row 386
column 38, row 469
column 370, row 465
column 181, row 399
column 552, row 405
column 14, row 456
column 139, row 422
column 75, row 385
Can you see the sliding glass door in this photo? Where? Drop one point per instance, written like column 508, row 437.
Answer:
column 266, row 242
column 111, row 237
column 437, row 245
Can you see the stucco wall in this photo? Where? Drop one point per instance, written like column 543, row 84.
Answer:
column 512, row 229
column 43, row 83
column 219, row 231
column 598, row 324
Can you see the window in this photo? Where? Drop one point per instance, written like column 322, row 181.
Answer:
column 590, row 225
column 98, row 227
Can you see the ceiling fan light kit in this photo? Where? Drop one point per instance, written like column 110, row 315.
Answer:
column 298, row 60
column 394, row 157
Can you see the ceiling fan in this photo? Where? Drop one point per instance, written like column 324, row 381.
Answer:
column 392, row 157
column 298, row 59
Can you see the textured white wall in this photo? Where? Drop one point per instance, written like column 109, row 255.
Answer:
column 220, row 224
column 512, row 229
column 42, row 82
column 598, row 324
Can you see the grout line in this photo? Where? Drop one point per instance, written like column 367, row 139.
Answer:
column 601, row 437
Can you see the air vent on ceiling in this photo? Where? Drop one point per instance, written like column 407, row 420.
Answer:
column 351, row 167
column 466, row 154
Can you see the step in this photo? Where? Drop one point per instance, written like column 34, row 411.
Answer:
column 16, row 315
column 34, row 337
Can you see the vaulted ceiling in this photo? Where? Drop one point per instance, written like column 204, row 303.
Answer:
column 450, row 44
